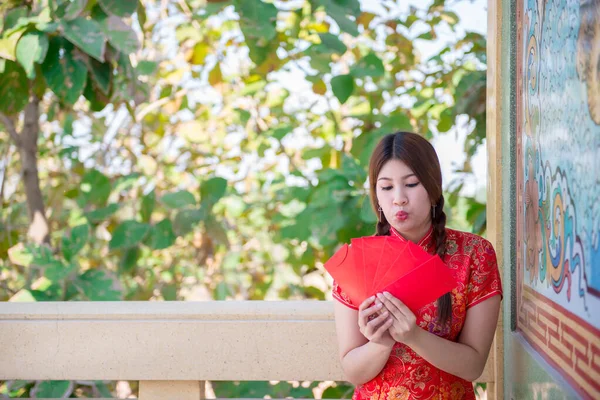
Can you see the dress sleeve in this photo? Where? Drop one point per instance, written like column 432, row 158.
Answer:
column 341, row 296
column 484, row 279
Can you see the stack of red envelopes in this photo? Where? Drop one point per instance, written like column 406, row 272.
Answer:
column 375, row 264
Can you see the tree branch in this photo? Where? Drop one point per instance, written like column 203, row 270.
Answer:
column 12, row 130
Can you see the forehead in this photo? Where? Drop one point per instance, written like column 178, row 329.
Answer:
column 395, row 169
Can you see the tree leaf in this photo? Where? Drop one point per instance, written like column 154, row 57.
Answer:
column 215, row 77
column 56, row 272
column 450, row 17
column 162, row 235
column 94, row 189
column 169, row 292
column 8, row 45
column 363, row 145
column 339, row 391
column 345, row 24
column 180, row 199
column 427, row 35
column 65, row 74
column 221, row 291
column 257, row 19
column 342, row 86
column 14, row 91
column 53, row 389
column 19, row 254
column 338, row 10
column 211, row 8
column 371, row 66
column 446, row 121
column 101, row 214
column 146, row 67
column 97, row 285
column 12, row 17
column 31, row 49
column 186, row 220
column 119, row 34
column 73, row 9
column 212, row 190
column 319, row 87
column 87, row 35
column 72, row 244
column 148, row 202
column 216, row 231
column 199, row 53
column 28, row 296
column 119, row 8
column 128, row 234
column 141, row 14
column 101, row 73
column 129, row 260
column 366, row 212
column 331, row 43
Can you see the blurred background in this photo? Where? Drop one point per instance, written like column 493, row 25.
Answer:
column 159, row 150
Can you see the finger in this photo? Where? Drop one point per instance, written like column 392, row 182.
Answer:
column 374, row 323
column 398, row 304
column 383, row 328
column 370, row 312
column 367, row 315
column 390, row 306
column 366, row 303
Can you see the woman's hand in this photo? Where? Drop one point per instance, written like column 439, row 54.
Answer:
column 404, row 327
column 374, row 324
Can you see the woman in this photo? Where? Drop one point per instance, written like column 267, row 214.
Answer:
column 392, row 353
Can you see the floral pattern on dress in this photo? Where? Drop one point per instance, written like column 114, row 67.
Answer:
column 408, row 376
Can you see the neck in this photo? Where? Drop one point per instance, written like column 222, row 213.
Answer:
column 415, row 236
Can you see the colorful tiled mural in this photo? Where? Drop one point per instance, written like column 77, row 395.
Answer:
column 558, row 185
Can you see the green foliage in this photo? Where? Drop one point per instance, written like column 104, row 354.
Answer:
column 31, row 50
column 13, row 88
column 167, row 169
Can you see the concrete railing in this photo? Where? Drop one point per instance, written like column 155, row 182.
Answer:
column 170, row 347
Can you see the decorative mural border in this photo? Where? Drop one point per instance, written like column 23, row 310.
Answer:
column 568, row 343
column 564, row 340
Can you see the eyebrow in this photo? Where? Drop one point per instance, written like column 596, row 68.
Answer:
column 389, row 179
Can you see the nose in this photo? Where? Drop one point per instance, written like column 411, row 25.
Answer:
column 400, row 198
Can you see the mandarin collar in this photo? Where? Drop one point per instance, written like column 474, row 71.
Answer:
column 426, row 243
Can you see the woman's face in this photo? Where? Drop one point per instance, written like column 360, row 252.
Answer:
column 404, row 200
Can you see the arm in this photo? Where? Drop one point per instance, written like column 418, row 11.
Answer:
column 362, row 359
column 473, row 344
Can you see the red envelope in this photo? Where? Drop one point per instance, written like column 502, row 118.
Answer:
column 396, row 262
column 341, row 267
column 367, row 253
column 375, row 264
column 425, row 282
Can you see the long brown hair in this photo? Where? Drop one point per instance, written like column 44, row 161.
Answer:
column 420, row 156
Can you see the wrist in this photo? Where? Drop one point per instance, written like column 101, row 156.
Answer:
column 384, row 343
column 413, row 340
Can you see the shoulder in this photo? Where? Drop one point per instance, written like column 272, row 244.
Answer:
column 468, row 243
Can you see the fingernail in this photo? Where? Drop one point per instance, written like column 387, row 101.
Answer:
column 379, row 295
column 386, row 293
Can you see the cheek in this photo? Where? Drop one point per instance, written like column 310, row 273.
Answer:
column 384, row 198
column 422, row 198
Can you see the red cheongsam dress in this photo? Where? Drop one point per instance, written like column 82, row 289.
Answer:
column 408, row 376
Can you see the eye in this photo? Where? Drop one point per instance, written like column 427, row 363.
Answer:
column 412, row 185
column 386, row 188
